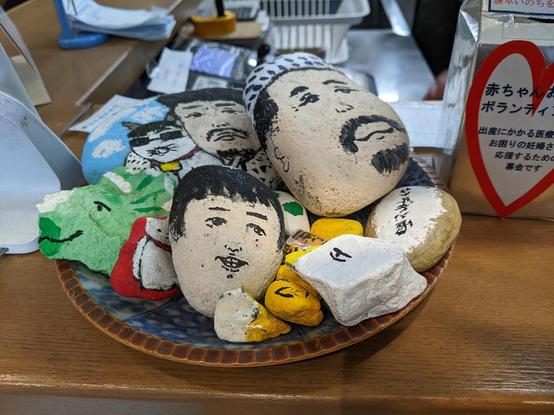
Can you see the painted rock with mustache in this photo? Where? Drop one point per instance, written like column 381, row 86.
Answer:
column 336, row 146
column 90, row 224
column 226, row 232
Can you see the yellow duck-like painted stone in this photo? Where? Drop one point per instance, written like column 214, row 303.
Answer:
column 284, row 273
column 265, row 326
column 329, row 228
column 293, row 303
column 291, row 258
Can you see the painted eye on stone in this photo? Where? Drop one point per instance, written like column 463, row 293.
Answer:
column 258, row 230
column 101, row 206
column 215, row 221
column 194, row 115
column 345, row 90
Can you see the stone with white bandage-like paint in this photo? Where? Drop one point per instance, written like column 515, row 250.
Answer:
column 360, row 277
column 226, row 232
column 336, row 146
column 294, row 213
column 241, row 319
column 424, row 221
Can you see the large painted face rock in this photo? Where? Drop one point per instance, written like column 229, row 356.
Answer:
column 226, row 232
column 217, row 121
column 90, row 224
column 336, row 146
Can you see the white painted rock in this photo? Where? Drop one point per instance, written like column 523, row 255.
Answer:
column 294, row 213
column 216, row 120
column 239, row 318
column 361, row 278
column 336, row 146
column 226, row 232
column 424, row 221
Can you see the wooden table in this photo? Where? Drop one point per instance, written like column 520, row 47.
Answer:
column 482, row 341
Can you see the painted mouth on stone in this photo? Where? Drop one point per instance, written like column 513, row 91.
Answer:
column 71, row 237
column 227, row 134
column 231, row 263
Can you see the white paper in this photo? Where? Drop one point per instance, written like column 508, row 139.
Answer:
column 528, row 7
column 109, row 110
column 87, row 15
column 421, row 119
column 172, row 73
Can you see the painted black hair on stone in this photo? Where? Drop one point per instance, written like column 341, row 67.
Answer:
column 229, row 182
column 348, row 133
column 208, row 94
column 385, row 161
column 265, row 110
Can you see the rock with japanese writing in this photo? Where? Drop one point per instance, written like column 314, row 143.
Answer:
column 424, row 221
column 361, row 277
column 294, row 213
column 293, row 303
column 91, row 223
column 336, row 146
column 226, row 232
column 241, row 319
column 144, row 268
column 329, row 228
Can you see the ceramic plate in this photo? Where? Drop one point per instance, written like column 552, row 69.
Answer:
column 171, row 329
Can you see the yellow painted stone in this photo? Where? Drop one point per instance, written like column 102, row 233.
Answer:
column 293, row 303
column 286, row 274
column 265, row 326
column 329, row 228
column 291, row 258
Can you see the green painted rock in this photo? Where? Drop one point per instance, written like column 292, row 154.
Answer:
column 294, row 213
column 90, row 224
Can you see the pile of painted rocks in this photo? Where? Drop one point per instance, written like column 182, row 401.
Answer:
column 184, row 199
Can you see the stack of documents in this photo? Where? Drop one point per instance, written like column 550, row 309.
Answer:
column 88, row 16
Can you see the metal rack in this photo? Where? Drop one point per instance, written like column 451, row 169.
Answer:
column 319, row 26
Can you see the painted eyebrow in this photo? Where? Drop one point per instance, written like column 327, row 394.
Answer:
column 298, row 90
column 190, row 107
column 225, row 104
column 219, row 208
column 333, row 81
column 257, row 215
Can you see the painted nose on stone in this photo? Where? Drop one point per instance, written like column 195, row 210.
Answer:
column 344, row 108
column 233, row 248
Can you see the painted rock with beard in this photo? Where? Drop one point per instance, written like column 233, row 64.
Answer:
column 336, row 146
column 226, row 232
column 217, row 122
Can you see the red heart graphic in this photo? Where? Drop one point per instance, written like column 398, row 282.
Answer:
column 542, row 78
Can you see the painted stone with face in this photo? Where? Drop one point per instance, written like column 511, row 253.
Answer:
column 336, row 146
column 226, row 232
column 164, row 147
column 217, row 121
column 361, row 278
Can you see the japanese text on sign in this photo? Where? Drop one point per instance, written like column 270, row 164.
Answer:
column 541, row 7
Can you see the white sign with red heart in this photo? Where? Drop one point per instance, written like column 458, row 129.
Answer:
column 510, row 126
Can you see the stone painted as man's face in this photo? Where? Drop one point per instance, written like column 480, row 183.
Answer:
column 220, row 127
column 336, row 146
column 228, row 243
